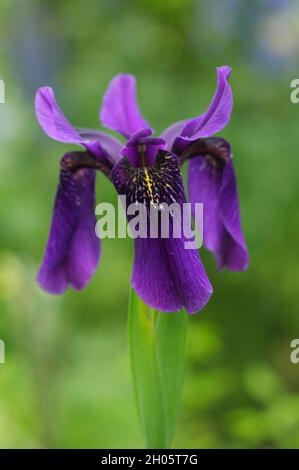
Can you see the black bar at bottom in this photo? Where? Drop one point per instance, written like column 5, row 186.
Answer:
column 134, row 458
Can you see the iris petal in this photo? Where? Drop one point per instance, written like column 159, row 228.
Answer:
column 51, row 118
column 172, row 132
column 73, row 250
column 111, row 144
column 215, row 118
column 213, row 183
column 166, row 275
column 55, row 125
column 120, row 111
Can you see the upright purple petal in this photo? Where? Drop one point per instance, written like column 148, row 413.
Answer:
column 120, row 111
column 214, row 184
column 216, row 117
column 73, row 250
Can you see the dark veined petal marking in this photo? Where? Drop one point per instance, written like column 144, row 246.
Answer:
column 160, row 183
column 215, row 148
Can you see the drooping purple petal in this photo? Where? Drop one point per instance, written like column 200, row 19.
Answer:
column 166, row 275
column 237, row 254
column 55, row 125
column 120, row 111
column 214, row 184
column 216, row 117
column 85, row 246
column 73, row 250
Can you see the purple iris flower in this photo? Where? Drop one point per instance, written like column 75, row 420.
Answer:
column 146, row 169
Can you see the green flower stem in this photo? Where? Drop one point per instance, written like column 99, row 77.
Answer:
column 158, row 348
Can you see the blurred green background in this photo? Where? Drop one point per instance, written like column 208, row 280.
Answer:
column 66, row 381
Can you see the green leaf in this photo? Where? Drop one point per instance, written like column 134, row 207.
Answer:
column 157, row 346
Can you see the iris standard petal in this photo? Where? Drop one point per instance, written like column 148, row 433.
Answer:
column 213, row 183
column 166, row 275
column 73, row 250
column 216, row 117
column 120, row 111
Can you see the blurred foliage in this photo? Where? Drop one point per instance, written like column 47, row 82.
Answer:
column 66, row 381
